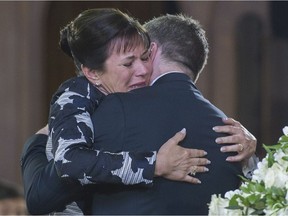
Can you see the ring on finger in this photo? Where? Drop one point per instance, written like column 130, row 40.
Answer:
column 241, row 147
column 193, row 171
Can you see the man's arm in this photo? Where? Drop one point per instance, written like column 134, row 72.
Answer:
column 43, row 189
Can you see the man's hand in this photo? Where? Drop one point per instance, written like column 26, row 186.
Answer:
column 242, row 140
column 180, row 164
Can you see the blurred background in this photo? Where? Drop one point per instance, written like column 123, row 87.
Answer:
column 246, row 75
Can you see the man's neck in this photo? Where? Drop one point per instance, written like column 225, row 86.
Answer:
column 163, row 68
column 163, row 74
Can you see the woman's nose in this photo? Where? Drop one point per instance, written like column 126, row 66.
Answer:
column 142, row 70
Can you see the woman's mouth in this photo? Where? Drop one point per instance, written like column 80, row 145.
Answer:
column 137, row 85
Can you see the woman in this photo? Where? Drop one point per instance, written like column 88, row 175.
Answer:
column 111, row 50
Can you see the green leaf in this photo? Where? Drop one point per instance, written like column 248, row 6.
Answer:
column 260, row 205
column 257, row 212
column 253, row 198
column 283, row 139
column 233, row 201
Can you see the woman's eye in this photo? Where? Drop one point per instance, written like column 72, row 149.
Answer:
column 145, row 58
column 127, row 64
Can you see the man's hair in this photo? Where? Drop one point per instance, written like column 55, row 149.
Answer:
column 182, row 41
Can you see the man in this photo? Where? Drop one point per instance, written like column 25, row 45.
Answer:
column 179, row 52
column 29, row 162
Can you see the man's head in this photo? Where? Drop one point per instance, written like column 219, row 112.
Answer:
column 181, row 41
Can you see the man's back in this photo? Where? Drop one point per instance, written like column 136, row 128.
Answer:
column 144, row 120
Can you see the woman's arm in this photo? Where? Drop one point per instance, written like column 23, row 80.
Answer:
column 71, row 132
column 71, row 135
column 46, row 192
column 242, row 142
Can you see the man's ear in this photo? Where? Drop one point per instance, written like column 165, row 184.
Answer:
column 153, row 50
column 91, row 75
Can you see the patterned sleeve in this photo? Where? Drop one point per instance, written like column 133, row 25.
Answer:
column 71, row 134
column 250, row 165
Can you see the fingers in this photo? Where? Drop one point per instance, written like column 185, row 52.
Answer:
column 237, row 158
column 190, row 177
column 229, row 139
column 231, row 121
column 198, row 169
column 175, row 162
column 198, row 162
column 191, row 180
column 195, row 153
column 232, row 148
column 178, row 137
column 228, row 129
column 240, row 140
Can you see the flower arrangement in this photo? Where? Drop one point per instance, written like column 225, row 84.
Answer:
column 266, row 193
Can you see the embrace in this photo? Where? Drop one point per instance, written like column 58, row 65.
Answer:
column 131, row 133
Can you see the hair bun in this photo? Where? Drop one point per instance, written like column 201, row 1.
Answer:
column 64, row 44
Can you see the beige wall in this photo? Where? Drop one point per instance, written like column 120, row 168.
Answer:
column 21, row 25
column 218, row 18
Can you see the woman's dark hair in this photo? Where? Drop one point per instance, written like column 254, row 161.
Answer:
column 91, row 37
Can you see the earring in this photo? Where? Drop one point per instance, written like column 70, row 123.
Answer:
column 97, row 83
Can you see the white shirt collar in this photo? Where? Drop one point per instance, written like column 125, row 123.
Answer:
column 162, row 76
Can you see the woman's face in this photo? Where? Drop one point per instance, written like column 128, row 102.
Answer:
column 125, row 71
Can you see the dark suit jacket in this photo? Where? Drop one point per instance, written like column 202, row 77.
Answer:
column 146, row 118
column 44, row 190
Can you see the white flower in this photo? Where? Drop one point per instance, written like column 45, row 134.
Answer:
column 276, row 176
column 285, row 130
column 280, row 212
column 260, row 173
column 218, row 206
column 283, row 212
column 269, row 178
column 268, row 186
column 278, row 156
column 230, row 194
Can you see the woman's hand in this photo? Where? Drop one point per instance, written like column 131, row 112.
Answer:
column 242, row 140
column 180, row 164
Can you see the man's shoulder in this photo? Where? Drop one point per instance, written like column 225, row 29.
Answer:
column 120, row 100
column 131, row 94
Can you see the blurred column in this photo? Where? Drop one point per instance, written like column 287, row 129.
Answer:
column 21, row 80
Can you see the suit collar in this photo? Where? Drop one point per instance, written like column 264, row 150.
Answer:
column 162, row 76
column 172, row 76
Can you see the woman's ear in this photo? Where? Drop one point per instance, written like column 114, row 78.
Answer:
column 153, row 50
column 91, row 75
